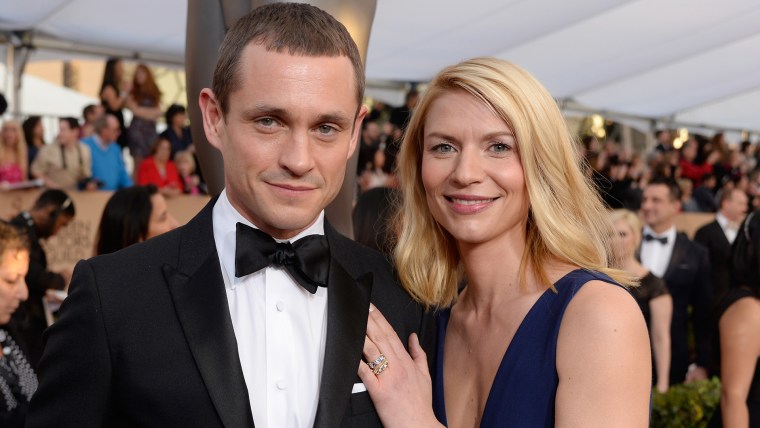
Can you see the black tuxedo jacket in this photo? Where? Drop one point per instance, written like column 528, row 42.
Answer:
column 712, row 237
column 689, row 281
column 145, row 337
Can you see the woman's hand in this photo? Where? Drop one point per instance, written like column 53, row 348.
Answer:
column 400, row 385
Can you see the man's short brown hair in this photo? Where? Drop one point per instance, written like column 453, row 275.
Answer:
column 295, row 28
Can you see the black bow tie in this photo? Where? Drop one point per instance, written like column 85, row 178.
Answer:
column 307, row 259
column 662, row 240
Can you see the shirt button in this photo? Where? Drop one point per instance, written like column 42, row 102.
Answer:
column 282, row 384
column 280, row 306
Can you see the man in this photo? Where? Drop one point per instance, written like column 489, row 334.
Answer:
column 685, row 268
column 189, row 328
column 108, row 168
column 400, row 115
column 90, row 113
column 66, row 165
column 51, row 212
column 718, row 235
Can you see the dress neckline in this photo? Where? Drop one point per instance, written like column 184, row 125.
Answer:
column 503, row 366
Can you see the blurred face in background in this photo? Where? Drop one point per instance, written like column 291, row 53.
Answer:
column 66, row 135
column 623, row 241
column 9, row 133
column 160, row 220
column 13, row 267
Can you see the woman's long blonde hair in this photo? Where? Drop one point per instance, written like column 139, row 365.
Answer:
column 567, row 220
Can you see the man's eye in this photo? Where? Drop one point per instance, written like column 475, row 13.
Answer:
column 266, row 121
column 326, row 129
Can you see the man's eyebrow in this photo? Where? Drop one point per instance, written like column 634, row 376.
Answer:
column 260, row 109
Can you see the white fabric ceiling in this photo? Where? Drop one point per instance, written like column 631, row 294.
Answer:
column 684, row 61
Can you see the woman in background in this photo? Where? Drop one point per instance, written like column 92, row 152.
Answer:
column 143, row 101
column 132, row 215
column 17, row 379
column 34, row 135
column 652, row 293
column 159, row 170
column 738, row 333
column 113, row 95
column 13, row 153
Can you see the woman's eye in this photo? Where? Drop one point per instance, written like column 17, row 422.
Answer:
column 500, row 147
column 443, row 148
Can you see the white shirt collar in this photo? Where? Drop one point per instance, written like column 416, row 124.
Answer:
column 225, row 218
column 723, row 221
column 669, row 233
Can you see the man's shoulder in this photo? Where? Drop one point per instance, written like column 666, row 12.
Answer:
column 706, row 229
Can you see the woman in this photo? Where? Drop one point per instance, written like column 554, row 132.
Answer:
column 375, row 176
column 143, row 101
column 159, row 170
column 17, row 379
column 113, row 95
column 541, row 334
column 34, row 135
column 738, row 315
column 130, row 216
column 652, row 293
column 13, row 153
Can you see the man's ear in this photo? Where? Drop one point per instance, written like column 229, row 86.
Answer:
column 213, row 118
column 357, row 132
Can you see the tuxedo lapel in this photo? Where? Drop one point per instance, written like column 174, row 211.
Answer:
column 348, row 302
column 199, row 297
column 679, row 248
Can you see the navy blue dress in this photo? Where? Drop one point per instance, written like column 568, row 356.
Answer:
column 524, row 389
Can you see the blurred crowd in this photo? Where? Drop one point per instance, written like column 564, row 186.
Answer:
column 89, row 153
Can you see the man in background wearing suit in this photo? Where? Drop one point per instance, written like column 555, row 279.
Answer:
column 256, row 310
column 718, row 235
column 685, row 268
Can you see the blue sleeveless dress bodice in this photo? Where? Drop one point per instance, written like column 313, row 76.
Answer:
column 523, row 391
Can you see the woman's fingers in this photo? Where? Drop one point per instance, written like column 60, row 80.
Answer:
column 383, row 335
column 418, row 354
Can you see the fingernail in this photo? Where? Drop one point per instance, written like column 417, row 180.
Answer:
column 371, row 307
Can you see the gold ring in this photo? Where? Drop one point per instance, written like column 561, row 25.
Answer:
column 379, row 369
column 379, row 360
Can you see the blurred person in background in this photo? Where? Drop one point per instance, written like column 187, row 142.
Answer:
column 66, row 164
column 17, row 379
column 191, row 182
column 718, row 236
column 652, row 293
column 132, row 215
column 13, row 154
column 89, row 114
column 34, row 134
column 685, row 267
column 108, row 168
column 177, row 131
column 738, row 334
column 113, row 95
column 159, row 170
column 372, row 218
column 51, row 212
column 143, row 101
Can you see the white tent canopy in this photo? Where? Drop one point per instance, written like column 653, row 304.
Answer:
column 675, row 61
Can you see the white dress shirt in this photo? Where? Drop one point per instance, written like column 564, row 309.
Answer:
column 729, row 230
column 280, row 330
column 655, row 255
